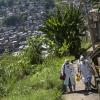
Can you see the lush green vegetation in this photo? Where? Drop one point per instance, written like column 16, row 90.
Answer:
column 32, row 76
column 86, row 42
column 27, row 77
column 22, row 81
column 6, row 3
column 64, row 27
column 13, row 20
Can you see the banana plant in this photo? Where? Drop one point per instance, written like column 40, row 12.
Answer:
column 66, row 23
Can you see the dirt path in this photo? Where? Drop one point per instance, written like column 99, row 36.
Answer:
column 80, row 94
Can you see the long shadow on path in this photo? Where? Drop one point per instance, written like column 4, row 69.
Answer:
column 84, row 92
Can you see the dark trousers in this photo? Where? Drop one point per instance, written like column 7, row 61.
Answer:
column 64, row 87
column 88, row 84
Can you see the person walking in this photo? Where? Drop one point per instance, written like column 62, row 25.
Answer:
column 85, row 71
column 68, row 81
column 73, row 73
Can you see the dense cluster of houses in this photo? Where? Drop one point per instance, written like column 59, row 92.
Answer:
column 13, row 38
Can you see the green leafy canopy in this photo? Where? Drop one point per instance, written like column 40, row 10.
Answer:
column 66, row 23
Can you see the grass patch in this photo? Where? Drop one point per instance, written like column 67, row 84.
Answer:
column 37, row 95
column 43, row 84
column 85, row 43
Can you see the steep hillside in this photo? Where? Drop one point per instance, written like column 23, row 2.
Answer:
column 31, row 82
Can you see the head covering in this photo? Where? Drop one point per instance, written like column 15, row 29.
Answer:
column 81, row 57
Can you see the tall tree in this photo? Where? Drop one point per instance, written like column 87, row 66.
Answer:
column 65, row 25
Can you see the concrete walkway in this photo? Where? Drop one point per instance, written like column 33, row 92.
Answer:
column 80, row 94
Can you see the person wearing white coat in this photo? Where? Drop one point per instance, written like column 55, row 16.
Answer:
column 73, row 73
column 84, row 70
column 68, row 79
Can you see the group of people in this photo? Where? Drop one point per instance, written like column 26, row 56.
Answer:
column 84, row 71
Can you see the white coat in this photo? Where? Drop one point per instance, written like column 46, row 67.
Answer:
column 73, row 73
column 68, row 72
column 85, row 71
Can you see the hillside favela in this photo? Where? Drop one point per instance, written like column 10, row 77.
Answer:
column 19, row 20
column 49, row 49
